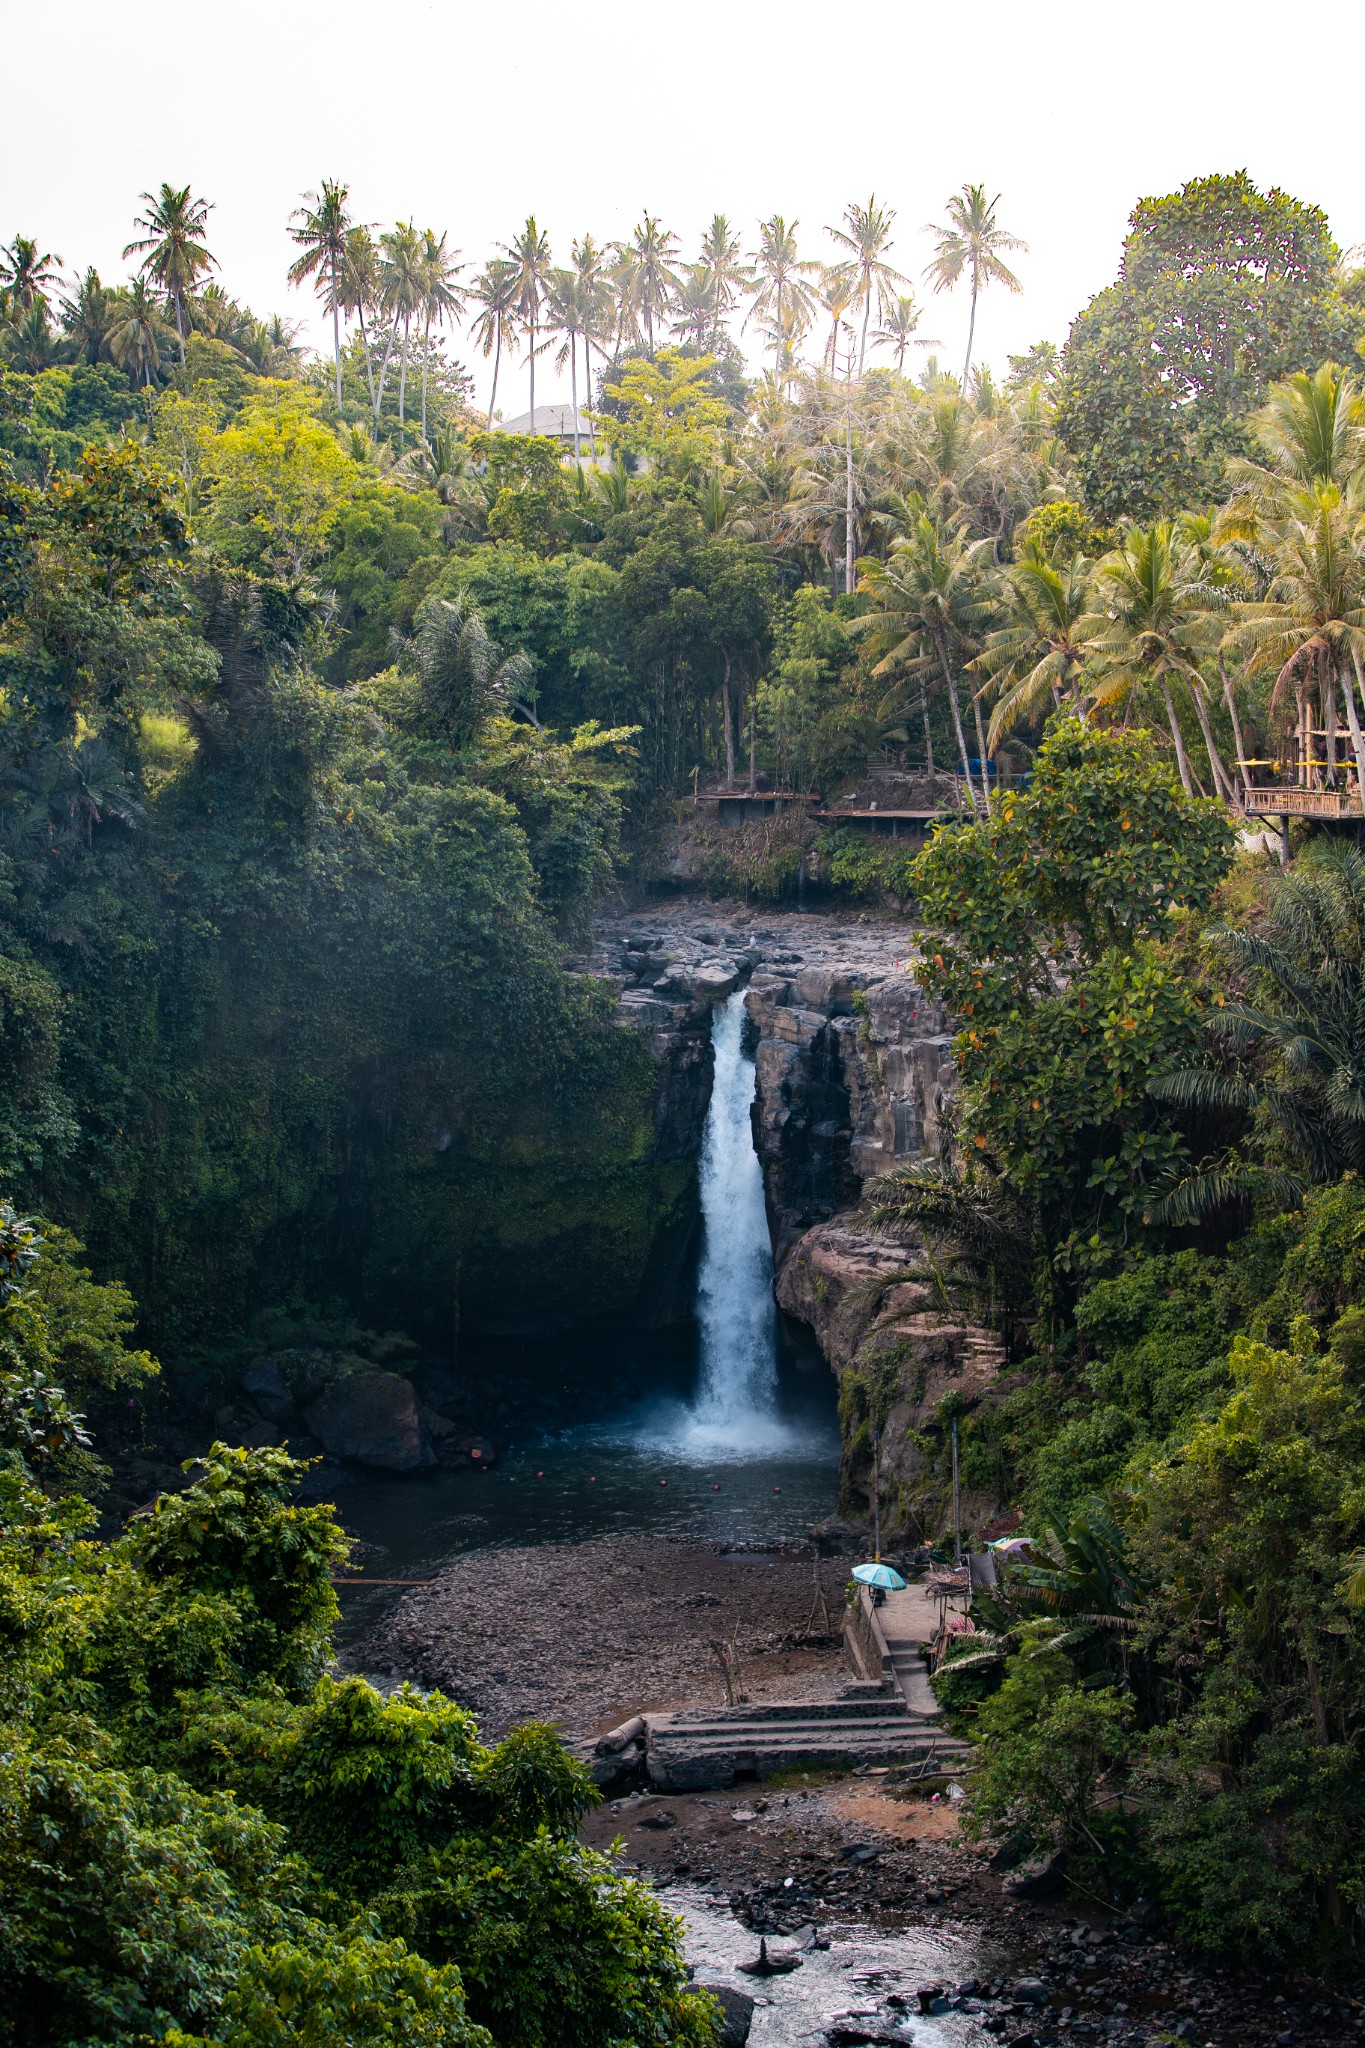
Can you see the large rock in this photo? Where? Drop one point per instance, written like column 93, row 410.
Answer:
column 374, row 1418
column 875, row 1305
column 737, row 2009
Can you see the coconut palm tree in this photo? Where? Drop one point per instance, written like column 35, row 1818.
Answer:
column 173, row 250
column 866, row 235
column 1159, row 620
column 590, row 268
column 30, row 342
column 26, row 275
column 1298, row 1031
column 727, row 273
column 137, row 332
column 442, row 299
column 693, row 306
column 529, row 255
column 1311, row 431
column 1036, row 657
column 569, row 313
column 495, row 292
column 900, row 317
column 320, row 228
column 358, row 290
column 648, row 260
column 1309, row 630
column 402, row 281
column 86, row 316
column 835, row 293
column 783, row 297
column 971, row 243
column 931, row 589
column 460, row 678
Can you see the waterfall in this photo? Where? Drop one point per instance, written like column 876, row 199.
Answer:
column 736, row 1399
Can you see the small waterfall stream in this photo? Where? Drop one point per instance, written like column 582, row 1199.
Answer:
column 737, row 1394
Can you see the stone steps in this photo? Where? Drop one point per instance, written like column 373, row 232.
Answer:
column 694, row 1751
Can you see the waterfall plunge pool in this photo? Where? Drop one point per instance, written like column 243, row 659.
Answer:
column 716, row 1430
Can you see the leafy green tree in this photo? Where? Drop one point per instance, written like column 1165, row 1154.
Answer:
column 278, row 483
column 1047, row 917
column 1222, row 289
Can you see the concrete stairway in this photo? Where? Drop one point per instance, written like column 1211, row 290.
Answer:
column 868, row 1724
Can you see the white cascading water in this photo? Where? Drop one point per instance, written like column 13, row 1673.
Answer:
column 736, row 1399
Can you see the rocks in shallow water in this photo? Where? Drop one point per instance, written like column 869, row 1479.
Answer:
column 1030, row 1991
column 373, row 1417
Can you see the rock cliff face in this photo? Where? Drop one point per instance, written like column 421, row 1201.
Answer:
column 854, row 1075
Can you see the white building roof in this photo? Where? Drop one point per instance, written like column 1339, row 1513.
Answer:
column 554, row 420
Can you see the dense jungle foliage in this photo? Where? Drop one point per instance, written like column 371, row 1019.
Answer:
column 204, row 1837
column 1157, row 1190
column 328, row 709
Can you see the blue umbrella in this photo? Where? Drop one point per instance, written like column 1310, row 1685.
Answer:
column 879, row 1575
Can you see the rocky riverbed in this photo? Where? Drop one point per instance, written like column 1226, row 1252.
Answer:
column 880, row 1873
column 587, row 1634
column 920, row 1926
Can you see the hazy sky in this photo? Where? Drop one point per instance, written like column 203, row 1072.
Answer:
column 470, row 119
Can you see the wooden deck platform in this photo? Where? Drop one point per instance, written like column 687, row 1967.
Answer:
column 1304, row 803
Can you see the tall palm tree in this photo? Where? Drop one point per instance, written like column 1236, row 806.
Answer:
column 1158, row 607
column 86, row 316
column 972, row 243
column 402, row 286
column 1035, row 657
column 359, row 292
column 720, row 261
column 320, row 228
column 530, row 256
column 26, row 274
column 1309, row 630
column 495, row 292
column 901, row 316
column 442, row 298
column 590, row 269
column 30, row 342
column 781, row 278
column 931, row 588
column 1311, row 431
column 173, row 250
column 692, row 308
column 569, row 313
column 836, row 292
column 137, row 332
column 649, row 262
column 866, row 234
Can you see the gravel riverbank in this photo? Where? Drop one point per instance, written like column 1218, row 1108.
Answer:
column 586, row 1634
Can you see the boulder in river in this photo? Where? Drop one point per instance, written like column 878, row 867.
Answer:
column 373, row 1417
column 737, row 2014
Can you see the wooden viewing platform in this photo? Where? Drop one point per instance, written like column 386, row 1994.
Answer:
column 1304, row 803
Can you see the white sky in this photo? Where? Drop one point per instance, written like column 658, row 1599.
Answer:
column 469, row 119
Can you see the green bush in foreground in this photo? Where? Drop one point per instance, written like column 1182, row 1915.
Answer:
column 206, row 1838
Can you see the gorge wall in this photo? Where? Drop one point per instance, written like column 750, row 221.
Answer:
column 854, row 1075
